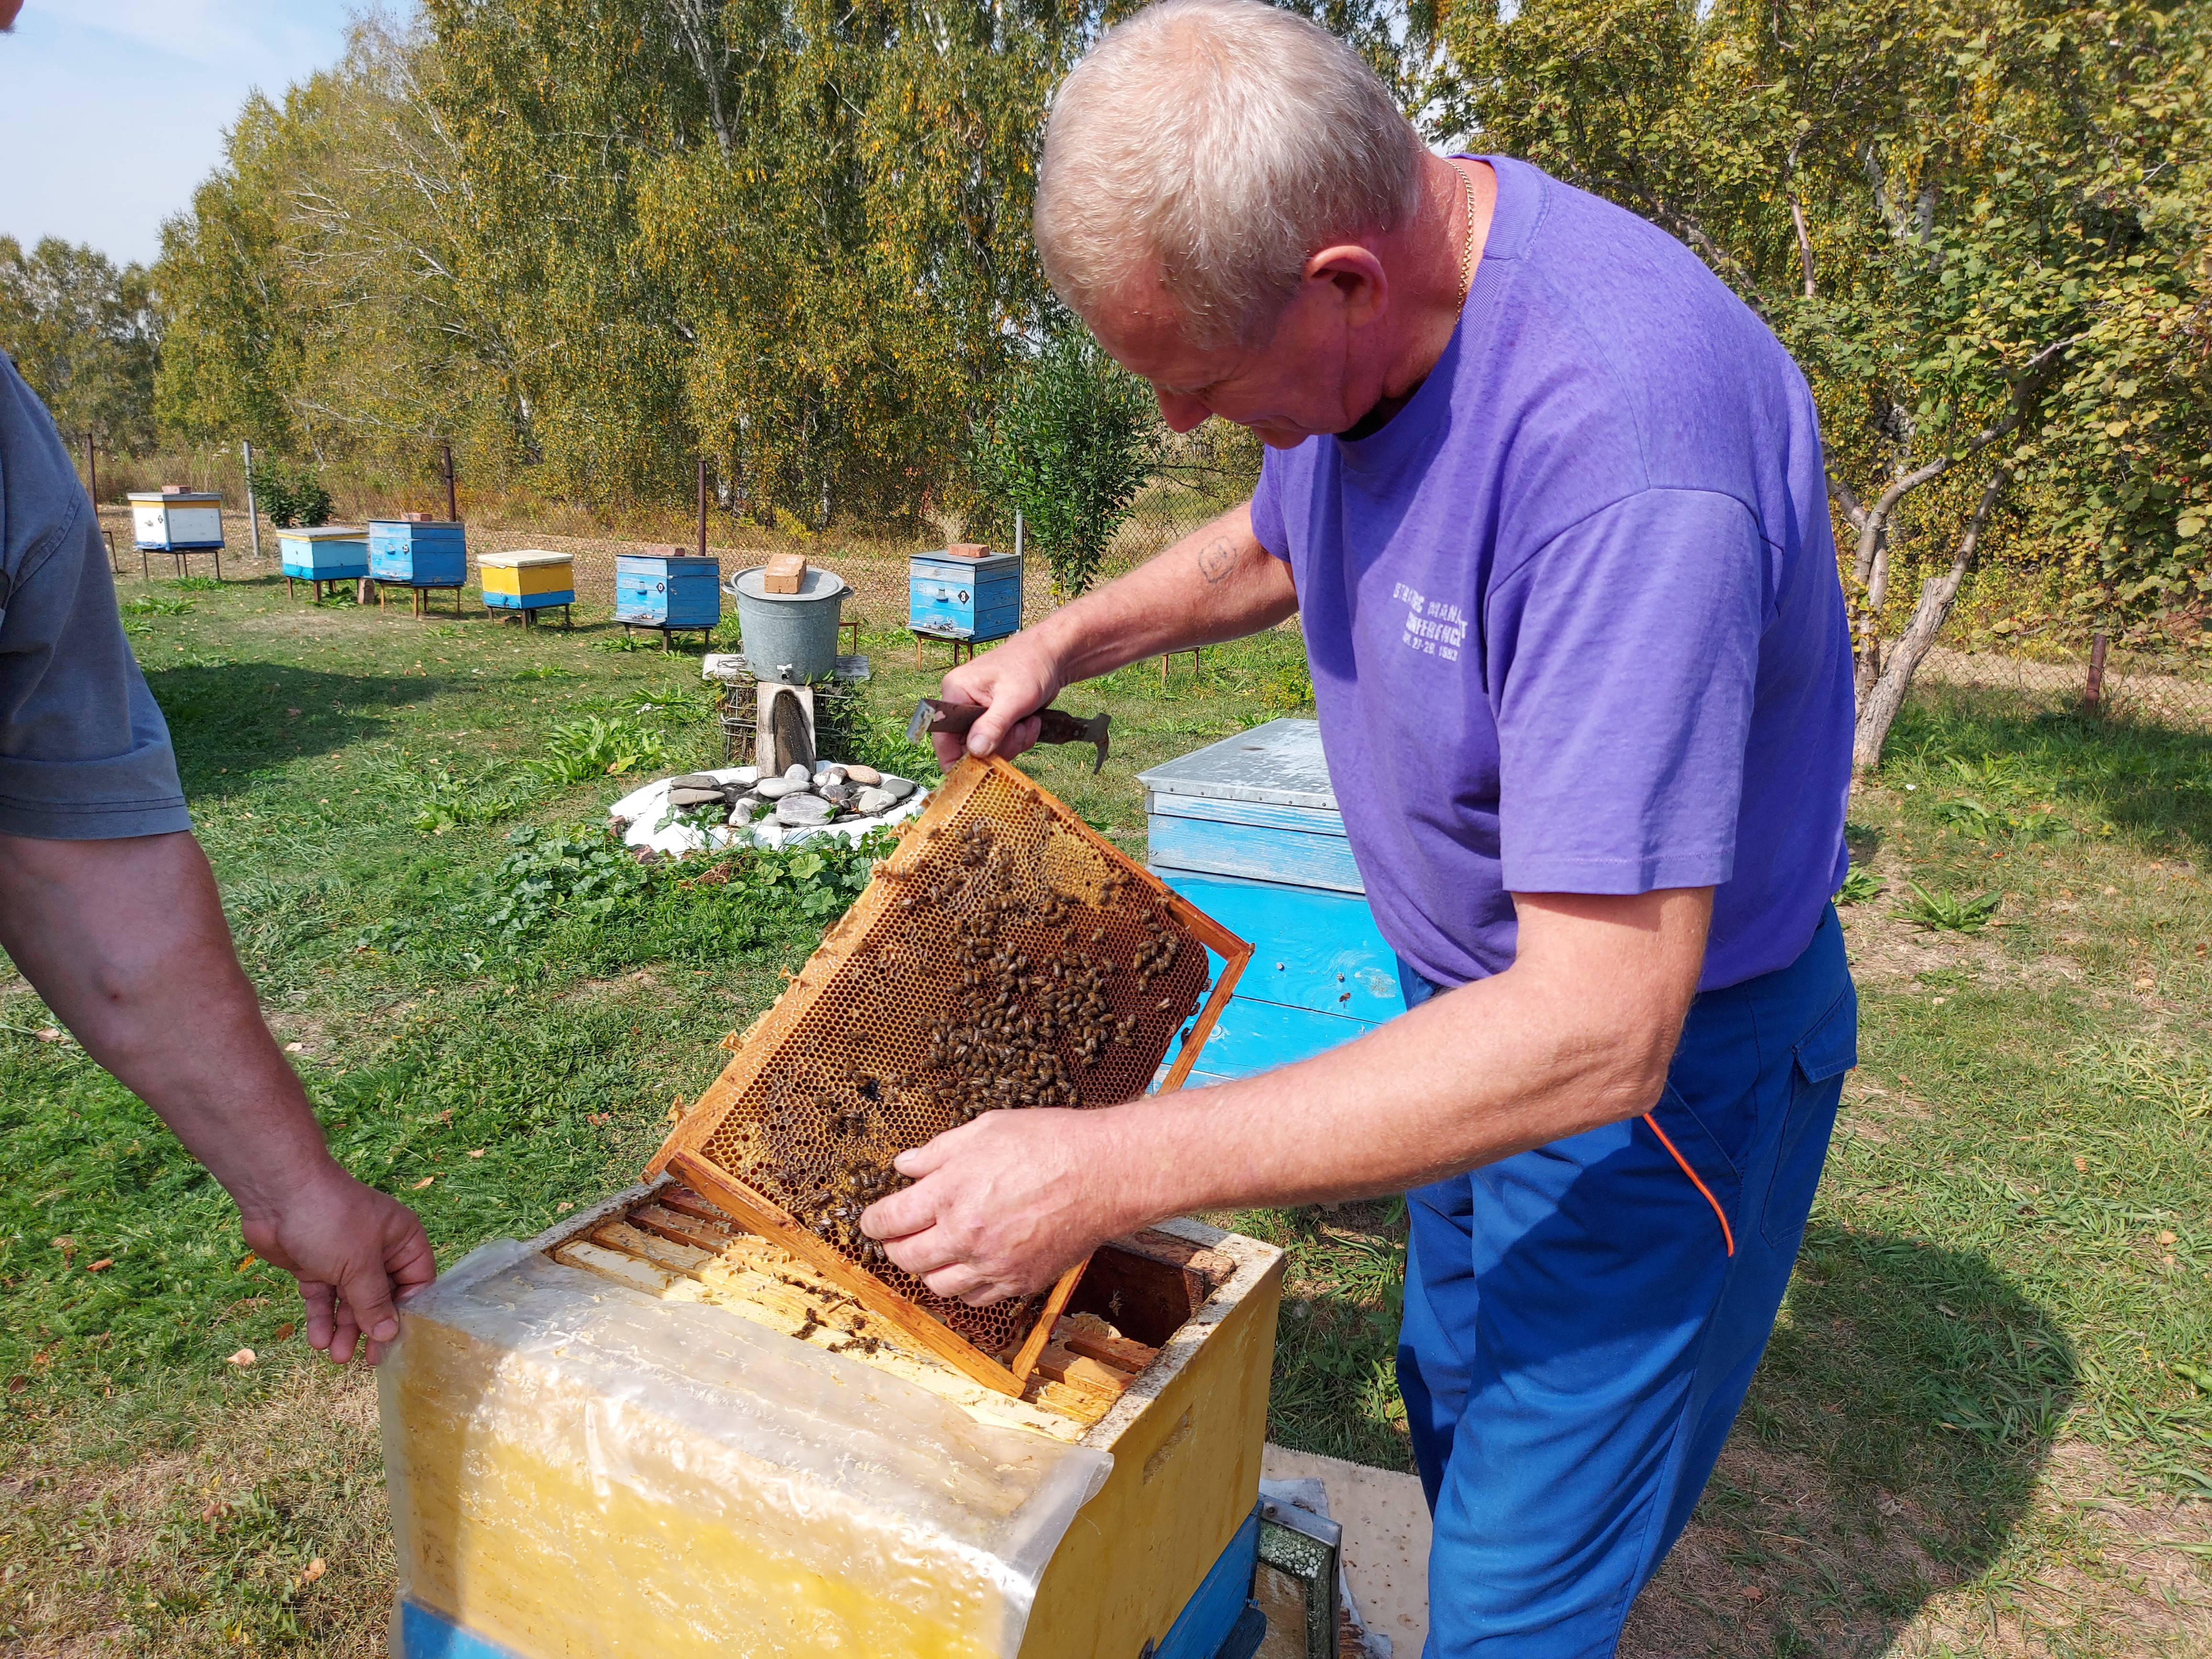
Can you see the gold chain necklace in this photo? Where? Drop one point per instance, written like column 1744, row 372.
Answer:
column 1466, row 244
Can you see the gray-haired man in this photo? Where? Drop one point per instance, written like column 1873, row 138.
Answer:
column 1548, row 502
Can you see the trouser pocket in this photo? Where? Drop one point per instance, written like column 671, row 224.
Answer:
column 1823, row 1055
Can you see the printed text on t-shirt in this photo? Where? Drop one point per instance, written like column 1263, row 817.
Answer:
column 1433, row 628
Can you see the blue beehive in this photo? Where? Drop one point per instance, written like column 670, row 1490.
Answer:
column 327, row 553
column 417, row 551
column 673, row 589
column 1248, row 830
column 954, row 597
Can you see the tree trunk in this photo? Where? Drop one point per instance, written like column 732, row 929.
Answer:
column 1880, row 702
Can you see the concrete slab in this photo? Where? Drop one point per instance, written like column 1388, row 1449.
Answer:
column 1386, row 1540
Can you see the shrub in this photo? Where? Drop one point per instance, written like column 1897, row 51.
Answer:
column 292, row 496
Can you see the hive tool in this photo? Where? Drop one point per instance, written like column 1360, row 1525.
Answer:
column 934, row 714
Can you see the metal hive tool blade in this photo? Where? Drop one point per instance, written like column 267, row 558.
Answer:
column 1004, row 956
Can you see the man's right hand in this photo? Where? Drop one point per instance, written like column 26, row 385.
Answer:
column 1013, row 683
column 356, row 1252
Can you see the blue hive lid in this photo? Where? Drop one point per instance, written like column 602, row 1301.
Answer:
column 1281, row 763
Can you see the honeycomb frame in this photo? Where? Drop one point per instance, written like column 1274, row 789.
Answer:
column 1027, row 962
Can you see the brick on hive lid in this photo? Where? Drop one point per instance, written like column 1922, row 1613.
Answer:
column 416, row 518
column 175, row 489
column 967, row 551
column 785, row 573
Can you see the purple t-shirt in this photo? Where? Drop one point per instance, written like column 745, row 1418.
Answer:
column 1573, row 613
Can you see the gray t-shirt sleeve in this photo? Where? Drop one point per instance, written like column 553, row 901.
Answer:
column 84, row 753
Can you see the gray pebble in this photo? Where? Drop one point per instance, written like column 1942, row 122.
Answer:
column 867, row 777
column 748, row 775
column 801, row 810
column 872, row 801
column 898, row 787
column 828, row 776
column 798, row 774
column 845, row 795
column 777, row 788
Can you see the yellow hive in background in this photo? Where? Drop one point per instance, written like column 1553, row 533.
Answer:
column 528, row 574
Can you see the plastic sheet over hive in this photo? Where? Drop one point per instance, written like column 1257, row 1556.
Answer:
column 1004, row 957
column 581, row 1471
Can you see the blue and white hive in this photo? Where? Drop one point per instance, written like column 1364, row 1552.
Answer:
column 176, row 519
column 1248, row 831
column 416, row 551
column 951, row 597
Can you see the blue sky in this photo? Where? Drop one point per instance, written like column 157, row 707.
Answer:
column 112, row 111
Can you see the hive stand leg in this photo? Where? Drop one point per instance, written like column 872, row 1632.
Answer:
column 145, row 574
column 567, row 618
column 288, row 586
column 917, row 650
column 218, row 564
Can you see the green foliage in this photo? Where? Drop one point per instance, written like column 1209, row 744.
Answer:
column 558, row 892
column 1979, row 229
column 1072, row 440
column 85, row 336
column 577, row 751
column 1947, row 911
column 1287, row 689
column 1860, row 885
column 447, row 800
column 291, row 495
column 154, row 605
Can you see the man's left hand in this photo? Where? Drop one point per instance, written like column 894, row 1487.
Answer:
column 1001, row 1207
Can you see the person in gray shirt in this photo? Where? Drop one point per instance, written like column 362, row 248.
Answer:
column 108, row 907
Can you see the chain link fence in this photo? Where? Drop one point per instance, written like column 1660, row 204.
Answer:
column 2155, row 680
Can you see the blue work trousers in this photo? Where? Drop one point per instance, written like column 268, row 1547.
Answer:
column 1583, row 1319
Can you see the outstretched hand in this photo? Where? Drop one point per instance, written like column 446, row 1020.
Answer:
column 1013, row 684
column 356, row 1251
column 1002, row 1205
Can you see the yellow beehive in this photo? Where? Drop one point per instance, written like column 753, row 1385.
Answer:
column 552, row 1497
column 528, row 578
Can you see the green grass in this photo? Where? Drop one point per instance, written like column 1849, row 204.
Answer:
column 1991, row 1350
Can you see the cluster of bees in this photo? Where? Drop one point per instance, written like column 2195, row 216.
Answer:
column 1031, row 1009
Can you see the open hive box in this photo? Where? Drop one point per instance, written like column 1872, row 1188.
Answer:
column 1004, row 957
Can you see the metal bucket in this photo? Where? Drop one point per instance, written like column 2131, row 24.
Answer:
column 791, row 637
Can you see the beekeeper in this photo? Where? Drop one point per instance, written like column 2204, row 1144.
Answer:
column 108, row 907
column 1547, row 501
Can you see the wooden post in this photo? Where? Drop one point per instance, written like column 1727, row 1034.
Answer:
column 703, row 507
column 2093, row 694
column 453, row 506
column 91, row 475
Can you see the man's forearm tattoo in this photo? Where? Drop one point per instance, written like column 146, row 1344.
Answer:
column 1217, row 563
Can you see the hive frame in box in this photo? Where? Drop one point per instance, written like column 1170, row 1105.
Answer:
column 687, row 1148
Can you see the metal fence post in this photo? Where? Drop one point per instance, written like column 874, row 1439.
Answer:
column 2092, row 693
column 252, row 513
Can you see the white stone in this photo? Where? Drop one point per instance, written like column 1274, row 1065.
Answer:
column 798, row 774
column 899, row 787
column 777, row 788
column 872, row 801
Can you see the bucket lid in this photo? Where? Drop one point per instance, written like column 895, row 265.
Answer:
column 816, row 584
